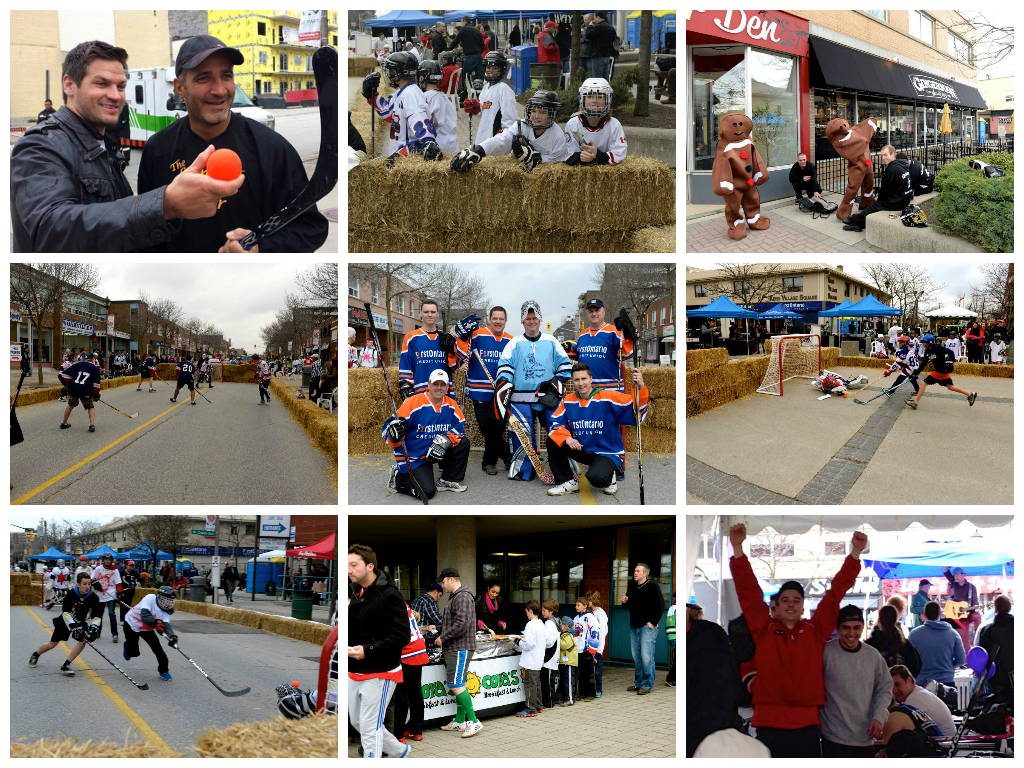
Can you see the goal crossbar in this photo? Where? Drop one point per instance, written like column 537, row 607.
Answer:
column 793, row 356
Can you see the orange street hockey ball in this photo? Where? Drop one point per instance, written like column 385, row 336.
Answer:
column 224, row 165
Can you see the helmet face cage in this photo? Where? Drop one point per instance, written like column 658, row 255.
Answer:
column 546, row 102
column 498, row 60
column 590, row 89
column 398, row 66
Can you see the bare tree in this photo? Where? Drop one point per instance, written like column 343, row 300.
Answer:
column 908, row 286
column 993, row 42
column 458, row 291
column 170, row 315
column 393, row 279
column 997, row 290
column 42, row 289
column 319, row 284
column 163, row 532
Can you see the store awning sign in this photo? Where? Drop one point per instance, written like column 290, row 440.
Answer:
column 764, row 29
column 932, row 88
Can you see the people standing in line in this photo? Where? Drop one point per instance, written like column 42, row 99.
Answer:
column 568, row 662
column 531, row 661
column 426, row 606
column 588, row 633
column 408, row 699
column 645, row 603
column 458, row 642
column 552, row 629
column 378, row 629
column 602, row 620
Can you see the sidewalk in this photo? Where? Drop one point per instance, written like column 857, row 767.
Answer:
column 618, row 725
column 267, row 605
column 791, row 232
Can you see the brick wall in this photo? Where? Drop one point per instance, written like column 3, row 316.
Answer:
column 597, row 568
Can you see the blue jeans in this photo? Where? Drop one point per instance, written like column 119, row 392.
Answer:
column 600, row 66
column 472, row 68
column 641, row 645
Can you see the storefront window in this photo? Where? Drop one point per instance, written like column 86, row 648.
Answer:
column 934, row 115
column 773, row 86
column 955, row 122
column 901, row 128
column 524, row 576
column 876, row 109
column 407, row 579
column 827, row 106
column 922, row 128
column 648, row 544
column 563, row 578
column 492, row 568
column 719, row 87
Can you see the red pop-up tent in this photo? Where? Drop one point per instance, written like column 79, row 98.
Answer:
column 322, row 550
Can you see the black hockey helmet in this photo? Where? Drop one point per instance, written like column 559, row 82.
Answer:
column 914, row 216
column 400, row 65
column 545, row 100
column 499, row 60
column 429, row 73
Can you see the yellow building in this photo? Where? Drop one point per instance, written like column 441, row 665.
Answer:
column 998, row 94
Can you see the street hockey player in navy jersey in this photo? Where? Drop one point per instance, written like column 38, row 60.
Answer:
column 439, row 107
column 942, row 361
column 185, row 370
column 151, row 617
column 586, row 427
column 496, row 103
column 434, row 430
column 595, row 137
column 147, row 370
column 406, row 110
column 533, row 140
column 531, row 379
column 83, row 382
column 489, row 342
column 80, row 618
column 425, row 350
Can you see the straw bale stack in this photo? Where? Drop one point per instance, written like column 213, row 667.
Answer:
column 655, row 240
column 240, row 374
column 361, row 66
column 321, row 426
column 314, row 736
column 698, row 359
column 89, row 750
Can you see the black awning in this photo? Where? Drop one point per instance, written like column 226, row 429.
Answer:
column 836, row 66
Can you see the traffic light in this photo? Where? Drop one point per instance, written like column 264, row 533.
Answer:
column 31, row 534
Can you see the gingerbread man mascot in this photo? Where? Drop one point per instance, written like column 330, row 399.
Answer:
column 737, row 173
column 854, row 145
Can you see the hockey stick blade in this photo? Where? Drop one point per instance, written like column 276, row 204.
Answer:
column 325, row 174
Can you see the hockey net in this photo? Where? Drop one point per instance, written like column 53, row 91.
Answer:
column 793, row 356
column 327, row 680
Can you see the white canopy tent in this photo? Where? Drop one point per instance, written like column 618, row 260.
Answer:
column 951, row 311
column 790, row 525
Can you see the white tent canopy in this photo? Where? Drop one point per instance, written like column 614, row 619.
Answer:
column 950, row 311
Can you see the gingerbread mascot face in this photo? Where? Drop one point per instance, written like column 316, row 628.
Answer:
column 737, row 172
column 854, row 145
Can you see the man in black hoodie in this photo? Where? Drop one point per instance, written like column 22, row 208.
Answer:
column 895, row 194
column 999, row 634
column 378, row 630
column 802, row 177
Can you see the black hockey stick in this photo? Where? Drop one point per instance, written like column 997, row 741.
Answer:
column 636, row 405
column 226, row 693
column 143, row 687
column 394, row 407
column 203, row 396
column 325, row 174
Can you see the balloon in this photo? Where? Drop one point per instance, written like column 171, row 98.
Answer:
column 977, row 658
column 991, row 671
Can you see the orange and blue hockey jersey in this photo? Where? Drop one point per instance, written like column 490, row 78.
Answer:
column 424, row 422
column 593, row 422
column 604, row 350
column 421, row 356
column 477, row 384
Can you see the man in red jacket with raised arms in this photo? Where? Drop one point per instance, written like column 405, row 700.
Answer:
column 789, row 686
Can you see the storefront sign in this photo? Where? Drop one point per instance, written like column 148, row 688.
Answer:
column 936, row 89
column 15, row 316
column 774, row 30
column 491, row 683
column 15, row 354
column 1000, row 120
column 668, row 330
column 76, row 328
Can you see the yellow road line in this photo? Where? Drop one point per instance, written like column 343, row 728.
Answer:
column 118, row 702
column 586, row 492
column 57, row 478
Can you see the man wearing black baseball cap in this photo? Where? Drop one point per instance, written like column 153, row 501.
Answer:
column 273, row 172
column 789, row 686
column 458, row 642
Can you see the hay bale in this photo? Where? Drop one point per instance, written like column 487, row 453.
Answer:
column 660, row 381
column 655, row 441
column 661, row 414
column 655, row 240
column 387, row 238
column 500, row 194
column 63, row 748
column 697, row 359
column 361, row 66
column 315, row 736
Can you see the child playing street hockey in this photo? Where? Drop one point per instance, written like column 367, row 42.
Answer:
column 80, row 618
column 593, row 135
column 151, row 617
column 262, row 375
column 942, row 359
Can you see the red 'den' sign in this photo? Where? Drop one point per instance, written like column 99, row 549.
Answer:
column 774, row 30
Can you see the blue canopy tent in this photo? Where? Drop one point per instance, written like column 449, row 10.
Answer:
column 401, row 19
column 144, row 552
column 977, row 559
column 50, row 554
column 779, row 312
column 98, row 553
column 869, row 306
column 723, row 307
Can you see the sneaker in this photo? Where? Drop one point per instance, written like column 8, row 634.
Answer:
column 454, row 726
column 65, row 669
column 415, row 737
column 526, row 713
column 600, row 694
column 490, row 469
column 114, row 638
column 165, row 676
column 611, row 489
column 472, row 729
column 406, row 751
column 911, row 403
column 971, row 398
column 589, row 698
column 633, row 688
column 33, row 660
column 65, row 426
column 92, row 427
column 450, row 485
column 392, row 479
column 569, row 486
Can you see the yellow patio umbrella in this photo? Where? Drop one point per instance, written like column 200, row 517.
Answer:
column 946, row 126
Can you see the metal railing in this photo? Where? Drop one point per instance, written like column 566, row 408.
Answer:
column 832, row 174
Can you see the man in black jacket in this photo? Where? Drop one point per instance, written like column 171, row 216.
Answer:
column 802, row 177
column 472, row 43
column 644, row 600
column 438, row 42
column 378, row 630
column 601, row 37
column 895, row 193
column 68, row 192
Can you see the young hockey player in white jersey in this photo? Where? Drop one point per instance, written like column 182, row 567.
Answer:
column 496, row 104
column 954, row 345
column 411, row 128
column 60, row 582
column 149, row 618
column 906, row 363
column 594, row 137
column 533, row 140
column 440, row 109
column 106, row 582
column 206, row 372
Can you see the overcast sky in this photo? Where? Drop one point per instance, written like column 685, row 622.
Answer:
column 237, row 298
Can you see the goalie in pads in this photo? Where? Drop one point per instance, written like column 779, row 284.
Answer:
column 834, row 384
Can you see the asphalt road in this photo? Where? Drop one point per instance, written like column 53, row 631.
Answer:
column 368, row 483
column 98, row 703
column 230, row 451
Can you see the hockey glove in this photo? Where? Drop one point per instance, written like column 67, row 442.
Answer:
column 503, row 400
column 431, row 151
column 406, row 389
column 570, row 349
column 550, row 392
column 447, row 342
column 472, row 106
column 370, row 84
column 397, row 429
column 438, row 448
column 94, row 629
column 465, row 327
column 172, row 641
column 467, row 158
column 624, row 324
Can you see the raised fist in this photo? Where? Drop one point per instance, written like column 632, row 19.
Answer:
column 859, row 542
column 737, row 534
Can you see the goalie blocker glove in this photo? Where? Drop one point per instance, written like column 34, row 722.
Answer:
column 551, row 392
column 503, row 400
column 465, row 327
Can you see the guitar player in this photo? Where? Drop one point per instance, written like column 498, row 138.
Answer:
column 966, row 616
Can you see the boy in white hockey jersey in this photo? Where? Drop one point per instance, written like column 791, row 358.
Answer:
column 496, row 104
column 593, row 136
column 533, row 140
column 439, row 108
column 411, row 128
